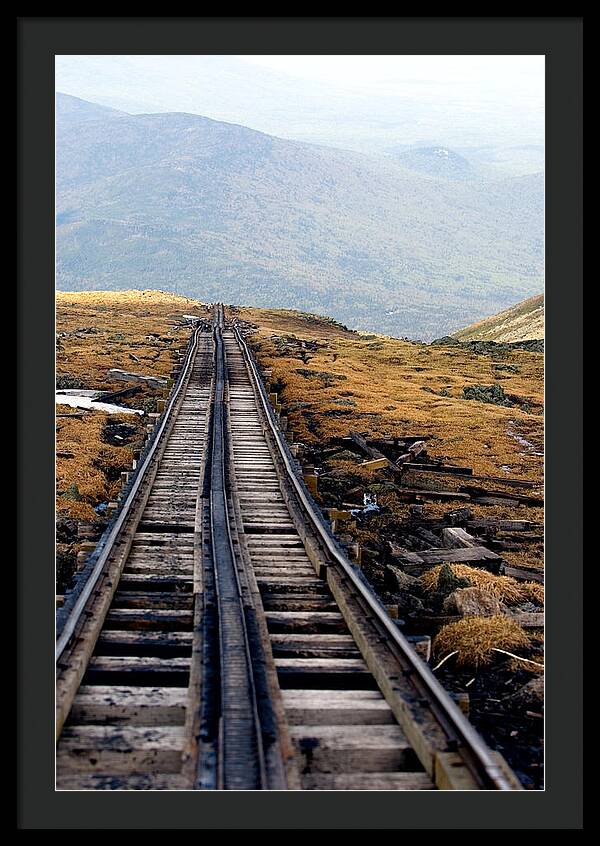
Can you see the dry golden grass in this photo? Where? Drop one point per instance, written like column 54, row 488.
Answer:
column 396, row 389
column 395, row 385
column 533, row 591
column 529, row 557
column 475, row 638
column 283, row 321
column 123, row 324
column 504, row 588
column 84, row 480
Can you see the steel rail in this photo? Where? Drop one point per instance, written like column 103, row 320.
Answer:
column 240, row 762
column 477, row 757
column 72, row 621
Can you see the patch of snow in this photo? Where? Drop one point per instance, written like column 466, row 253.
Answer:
column 79, row 392
column 84, row 400
column 529, row 447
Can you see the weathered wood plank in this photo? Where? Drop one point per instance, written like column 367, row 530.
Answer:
column 336, row 707
column 313, row 646
column 467, row 472
column 456, row 538
column 367, row 781
column 346, row 748
column 158, row 781
column 298, row 602
column 465, row 555
column 126, row 705
column 424, row 493
column 524, row 574
column 120, row 750
column 117, row 375
column 161, row 620
column 301, row 621
column 448, row 469
column 481, row 493
column 153, row 600
column 321, row 665
column 137, row 664
column 373, row 453
column 503, row 525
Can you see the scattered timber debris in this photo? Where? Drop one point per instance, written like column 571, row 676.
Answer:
column 414, row 513
column 116, row 375
column 126, row 392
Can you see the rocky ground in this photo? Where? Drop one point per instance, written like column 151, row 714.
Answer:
column 474, row 405
column 141, row 332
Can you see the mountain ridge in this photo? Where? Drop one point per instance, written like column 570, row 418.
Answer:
column 220, row 211
column 521, row 322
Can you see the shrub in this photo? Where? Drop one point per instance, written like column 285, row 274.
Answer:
column 64, row 382
column 73, row 493
column 474, row 639
column 487, row 393
column 502, row 587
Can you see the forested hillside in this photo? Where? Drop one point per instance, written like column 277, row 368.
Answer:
column 218, row 211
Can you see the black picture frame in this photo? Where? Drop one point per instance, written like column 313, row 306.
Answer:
column 39, row 40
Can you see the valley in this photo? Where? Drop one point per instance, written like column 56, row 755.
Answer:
column 412, row 246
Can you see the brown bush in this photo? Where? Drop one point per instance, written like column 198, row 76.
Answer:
column 504, row 588
column 475, row 638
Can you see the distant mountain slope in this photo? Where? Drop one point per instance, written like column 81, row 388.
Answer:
column 218, row 211
column 437, row 161
column 71, row 110
column 522, row 322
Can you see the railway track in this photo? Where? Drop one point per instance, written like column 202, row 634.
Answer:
column 219, row 638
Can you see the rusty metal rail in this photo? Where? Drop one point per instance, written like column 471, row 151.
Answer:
column 460, row 733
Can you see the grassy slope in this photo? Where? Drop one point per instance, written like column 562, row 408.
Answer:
column 396, row 387
column 384, row 386
column 522, row 322
column 121, row 325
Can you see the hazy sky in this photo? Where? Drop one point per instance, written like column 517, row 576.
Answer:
column 387, row 74
column 367, row 102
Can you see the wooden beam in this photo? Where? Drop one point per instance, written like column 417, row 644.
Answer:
column 481, row 493
column 126, row 392
column 115, row 374
column 523, row 574
column 467, row 555
column 375, row 464
column 451, row 470
column 455, row 538
column 502, row 525
column 373, row 453
column 404, row 555
column 427, row 494
column 496, row 500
